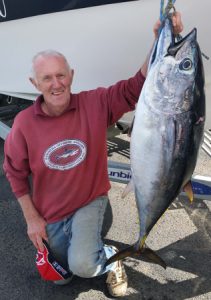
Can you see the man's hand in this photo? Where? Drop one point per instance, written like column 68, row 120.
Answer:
column 36, row 225
column 176, row 22
column 37, row 232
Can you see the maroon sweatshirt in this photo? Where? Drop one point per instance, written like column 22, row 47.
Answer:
column 66, row 155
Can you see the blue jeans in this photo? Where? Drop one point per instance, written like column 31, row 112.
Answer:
column 76, row 240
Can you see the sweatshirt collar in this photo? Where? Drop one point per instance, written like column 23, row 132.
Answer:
column 38, row 110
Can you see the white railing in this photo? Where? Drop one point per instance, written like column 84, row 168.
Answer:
column 206, row 146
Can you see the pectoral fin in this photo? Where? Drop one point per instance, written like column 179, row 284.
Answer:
column 129, row 188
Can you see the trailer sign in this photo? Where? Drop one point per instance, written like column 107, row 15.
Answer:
column 121, row 175
column 120, row 172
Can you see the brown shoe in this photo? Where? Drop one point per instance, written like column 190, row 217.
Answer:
column 117, row 281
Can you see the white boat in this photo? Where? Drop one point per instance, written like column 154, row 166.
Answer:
column 103, row 43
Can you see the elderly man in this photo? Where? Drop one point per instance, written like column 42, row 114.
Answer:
column 61, row 142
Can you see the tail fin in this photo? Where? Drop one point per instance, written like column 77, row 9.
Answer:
column 144, row 252
column 129, row 251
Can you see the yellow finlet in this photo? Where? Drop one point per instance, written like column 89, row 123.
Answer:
column 189, row 191
column 142, row 242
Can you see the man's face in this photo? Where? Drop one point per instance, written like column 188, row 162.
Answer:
column 53, row 78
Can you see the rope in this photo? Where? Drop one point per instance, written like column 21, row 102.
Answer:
column 164, row 11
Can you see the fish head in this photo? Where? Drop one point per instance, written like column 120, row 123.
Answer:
column 173, row 71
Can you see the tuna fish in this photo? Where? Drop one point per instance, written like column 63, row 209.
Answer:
column 167, row 131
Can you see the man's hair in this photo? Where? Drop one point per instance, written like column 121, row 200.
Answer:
column 46, row 53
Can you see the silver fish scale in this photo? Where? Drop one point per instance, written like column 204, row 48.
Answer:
column 165, row 138
column 167, row 132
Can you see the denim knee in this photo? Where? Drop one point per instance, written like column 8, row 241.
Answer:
column 86, row 265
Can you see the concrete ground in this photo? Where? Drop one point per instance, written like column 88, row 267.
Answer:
column 182, row 238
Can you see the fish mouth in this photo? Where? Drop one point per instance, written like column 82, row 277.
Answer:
column 175, row 46
column 170, row 43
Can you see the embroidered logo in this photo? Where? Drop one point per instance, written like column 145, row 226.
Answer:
column 65, row 155
column 40, row 259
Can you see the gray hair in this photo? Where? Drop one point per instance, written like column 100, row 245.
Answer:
column 46, row 53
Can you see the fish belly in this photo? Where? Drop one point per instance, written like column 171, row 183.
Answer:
column 157, row 164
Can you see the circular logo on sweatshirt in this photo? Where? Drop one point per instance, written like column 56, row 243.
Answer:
column 65, row 155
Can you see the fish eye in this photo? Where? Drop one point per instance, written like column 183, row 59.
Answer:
column 186, row 64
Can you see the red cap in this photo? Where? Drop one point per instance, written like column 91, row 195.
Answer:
column 48, row 267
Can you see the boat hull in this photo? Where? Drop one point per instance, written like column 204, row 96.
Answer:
column 103, row 43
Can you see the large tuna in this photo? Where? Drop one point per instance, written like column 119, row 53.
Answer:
column 167, row 130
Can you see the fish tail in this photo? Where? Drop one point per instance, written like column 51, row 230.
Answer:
column 138, row 250
column 152, row 256
column 129, row 251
